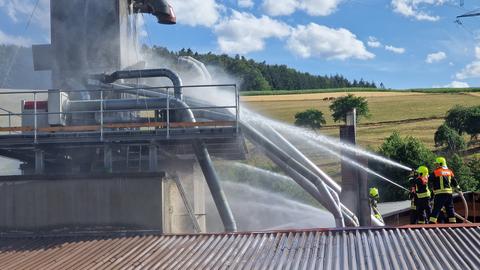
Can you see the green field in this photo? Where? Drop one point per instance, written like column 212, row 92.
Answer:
column 410, row 113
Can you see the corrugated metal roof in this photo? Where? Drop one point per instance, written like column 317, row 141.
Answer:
column 411, row 247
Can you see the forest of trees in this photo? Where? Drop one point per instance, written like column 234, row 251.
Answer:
column 16, row 71
column 257, row 76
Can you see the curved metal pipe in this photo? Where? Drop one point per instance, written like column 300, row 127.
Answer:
column 187, row 61
column 145, row 73
column 309, row 187
column 289, row 148
column 334, row 187
column 263, row 142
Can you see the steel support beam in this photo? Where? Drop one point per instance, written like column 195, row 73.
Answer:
column 39, row 161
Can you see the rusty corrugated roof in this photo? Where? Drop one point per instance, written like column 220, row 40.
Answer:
column 414, row 247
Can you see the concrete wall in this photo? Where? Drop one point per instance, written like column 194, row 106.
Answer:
column 96, row 202
column 176, row 217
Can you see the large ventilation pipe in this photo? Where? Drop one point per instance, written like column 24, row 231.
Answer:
column 266, row 144
column 188, row 62
column 198, row 66
column 145, row 73
column 299, row 156
column 309, row 187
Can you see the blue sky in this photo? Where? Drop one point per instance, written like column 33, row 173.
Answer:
column 402, row 43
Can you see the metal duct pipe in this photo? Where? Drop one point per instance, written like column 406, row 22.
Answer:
column 145, row 73
column 301, row 158
column 120, row 104
column 309, row 187
column 260, row 140
column 214, row 185
column 199, row 67
column 217, row 115
column 213, row 181
column 292, row 150
column 187, row 61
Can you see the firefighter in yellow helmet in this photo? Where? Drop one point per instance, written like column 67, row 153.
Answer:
column 373, row 198
column 421, row 194
column 443, row 183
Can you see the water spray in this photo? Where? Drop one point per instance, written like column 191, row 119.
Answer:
column 321, row 139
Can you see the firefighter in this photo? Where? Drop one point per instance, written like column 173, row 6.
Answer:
column 421, row 195
column 373, row 199
column 443, row 182
column 413, row 207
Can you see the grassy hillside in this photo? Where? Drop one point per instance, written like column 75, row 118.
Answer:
column 411, row 113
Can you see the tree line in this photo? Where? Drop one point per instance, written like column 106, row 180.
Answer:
column 16, row 71
column 256, row 76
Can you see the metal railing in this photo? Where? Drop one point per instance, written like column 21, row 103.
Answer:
column 102, row 121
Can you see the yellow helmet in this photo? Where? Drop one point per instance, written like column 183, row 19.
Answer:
column 373, row 192
column 422, row 170
column 441, row 161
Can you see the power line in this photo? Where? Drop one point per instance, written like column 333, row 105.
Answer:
column 15, row 54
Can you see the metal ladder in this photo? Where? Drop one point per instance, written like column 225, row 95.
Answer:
column 134, row 158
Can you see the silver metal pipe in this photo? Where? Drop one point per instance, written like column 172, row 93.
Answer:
column 289, row 148
column 309, row 187
column 187, row 61
column 292, row 150
column 269, row 146
column 145, row 73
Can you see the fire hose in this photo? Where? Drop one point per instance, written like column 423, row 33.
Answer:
column 465, row 205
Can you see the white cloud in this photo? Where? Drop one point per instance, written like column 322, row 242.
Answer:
column 20, row 10
column 243, row 33
column 457, row 84
column 315, row 40
column 472, row 70
column 477, row 52
column 373, row 42
column 280, row 7
column 13, row 40
column 196, row 12
column 435, row 57
column 311, row 7
column 394, row 49
column 415, row 8
column 319, row 7
column 245, row 3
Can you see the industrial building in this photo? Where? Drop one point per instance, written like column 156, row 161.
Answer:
column 114, row 168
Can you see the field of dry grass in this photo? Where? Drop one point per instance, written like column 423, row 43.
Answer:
column 415, row 114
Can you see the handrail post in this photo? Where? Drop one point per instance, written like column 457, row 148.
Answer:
column 101, row 115
column 35, row 117
column 237, row 105
column 10, row 123
column 168, row 113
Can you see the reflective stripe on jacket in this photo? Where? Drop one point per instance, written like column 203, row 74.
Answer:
column 443, row 180
column 421, row 187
